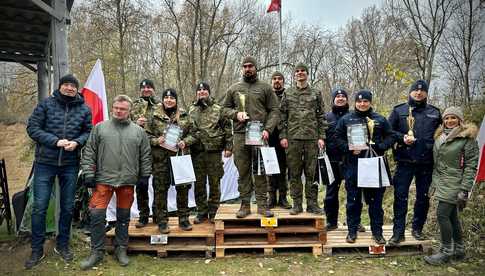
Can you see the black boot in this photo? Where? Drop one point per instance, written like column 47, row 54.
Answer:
column 351, row 237
column 98, row 223
column 459, row 252
column 396, row 239
column 35, row 258
column 272, row 199
column 163, row 228
column 283, row 202
column 200, row 218
column 244, row 210
column 312, row 207
column 142, row 222
column 418, row 235
column 443, row 256
column 264, row 210
column 184, row 224
column 297, row 208
column 121, row 235
column 379, row 239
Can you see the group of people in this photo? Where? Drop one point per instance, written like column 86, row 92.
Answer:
column 120, row 155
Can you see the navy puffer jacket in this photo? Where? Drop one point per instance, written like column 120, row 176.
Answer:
column 54, row 119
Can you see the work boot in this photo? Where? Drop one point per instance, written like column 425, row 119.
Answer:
column 65, row 253
column 121, row 256
column 185, row 225
column 244, row 211
column 351, row 237
column 265, row 211
column 443, row 256
column 459, row 252
column 272, row 199
column 396, row 239
column 142, row 222
column 212, row 218
column 95, row 258
column 379, row 239
column 98, row 222
column 297, row 209
column 283, row 202
column 418, row 235
column 200, row 218
column 331, row 227
column 312, row 207
column 361, row 228
column 35, row 258
column 163, row 228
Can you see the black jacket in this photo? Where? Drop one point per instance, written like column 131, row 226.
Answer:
column 332, row 117
column 427, row 120
column 54, row 119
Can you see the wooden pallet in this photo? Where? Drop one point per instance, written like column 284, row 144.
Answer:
column 200, row 239
column 336, row 243
column 304, row 230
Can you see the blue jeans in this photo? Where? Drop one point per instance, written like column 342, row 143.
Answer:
column 44, row 176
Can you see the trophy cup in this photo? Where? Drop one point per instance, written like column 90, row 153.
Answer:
column 410, row 120
column 242, row 101
column 370, row 125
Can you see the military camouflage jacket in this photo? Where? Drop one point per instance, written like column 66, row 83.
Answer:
column 214, row 130
column 160, row 122
column 143, row 108
column 261, row 104
column 302, row 114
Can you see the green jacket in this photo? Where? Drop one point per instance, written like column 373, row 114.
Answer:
column 302, row 114
column 261, row 104
column 214, row 129
column 117, row 153
column 456, row 160
column 142, row 107
column 158, row 125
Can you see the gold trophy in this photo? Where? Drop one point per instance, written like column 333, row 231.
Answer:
column 370, row 126
column 410, row 119
column 242, row 100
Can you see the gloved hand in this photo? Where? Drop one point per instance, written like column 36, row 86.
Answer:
column 142, row 183
column 462, row 198
column 89, row 182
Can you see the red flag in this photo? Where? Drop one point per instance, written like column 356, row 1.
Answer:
column 94, row 92
column 274, row 6
column 481, row 163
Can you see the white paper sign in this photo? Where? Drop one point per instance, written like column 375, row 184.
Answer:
column 328, row 166
column 182, row 169
column 158, row 239
column 368, row 173
column 270, row 160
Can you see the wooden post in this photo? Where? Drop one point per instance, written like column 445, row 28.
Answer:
column 59, row 40
column 42, row 81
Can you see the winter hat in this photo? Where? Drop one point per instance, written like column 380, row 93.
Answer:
column 454, row 110
column 249, row 59
column 69, row 78
column 169, row 92
column 147, row 82
column 339, row 91
column 277, row 73
column 419, row 85
column 363, row 94
column 202, row 85
column 301, row 65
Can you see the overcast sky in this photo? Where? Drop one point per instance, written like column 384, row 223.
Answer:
column 329, row 14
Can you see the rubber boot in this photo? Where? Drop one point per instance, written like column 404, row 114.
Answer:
column 283, row 202
column 272, row 199
column 244, row 210
column 98, row 223
column 441, row 257
column 121, row 235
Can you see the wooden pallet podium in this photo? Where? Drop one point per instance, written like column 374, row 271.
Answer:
column 200, row 239
column 304, row 230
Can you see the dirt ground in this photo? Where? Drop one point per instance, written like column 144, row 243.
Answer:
column 14, row 144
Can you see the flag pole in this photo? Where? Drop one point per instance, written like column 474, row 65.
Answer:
column 281, row 39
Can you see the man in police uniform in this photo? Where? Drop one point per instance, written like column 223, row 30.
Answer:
column 261, row 105
column 278, row 183
column 303, row 128
column 414, row 156
column 215, row 136
column 142, row 114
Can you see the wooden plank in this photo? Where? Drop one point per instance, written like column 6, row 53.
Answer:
column 235, row 230
column 228, row 212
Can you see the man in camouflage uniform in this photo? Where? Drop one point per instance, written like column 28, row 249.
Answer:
column 164, row 114
column 261, row 105
column 215, row 134
column 142, row 114
column 278, row 182
column 303, row 128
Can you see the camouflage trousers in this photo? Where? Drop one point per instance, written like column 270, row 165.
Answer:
column 302, row 158
column 243, row 156
column 162, row 179
column 208, row 167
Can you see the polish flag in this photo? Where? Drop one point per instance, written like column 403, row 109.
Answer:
column 481, row 163
column 94, row 92
column 275, row 5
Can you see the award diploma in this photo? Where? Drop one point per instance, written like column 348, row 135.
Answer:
column 172, row 136
column 357, row 137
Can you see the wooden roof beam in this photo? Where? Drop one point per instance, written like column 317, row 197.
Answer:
column 48, row 9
